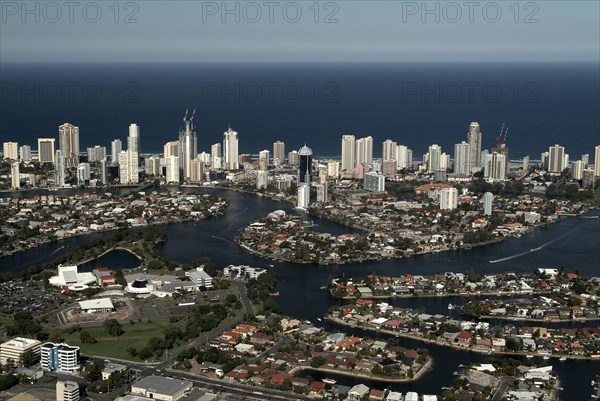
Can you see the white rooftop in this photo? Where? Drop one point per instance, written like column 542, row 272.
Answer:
column 100, row 303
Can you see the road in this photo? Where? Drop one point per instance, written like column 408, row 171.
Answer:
column 504, row 382
column 244, row 296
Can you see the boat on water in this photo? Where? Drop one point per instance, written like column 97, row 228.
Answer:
column 562, row 358
column 329, row 380
column 546, row 357
column 450, row 306
column 319, row 319
column 529, row 356
column 323, row 287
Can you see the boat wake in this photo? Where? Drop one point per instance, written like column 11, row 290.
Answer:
column 539, row 248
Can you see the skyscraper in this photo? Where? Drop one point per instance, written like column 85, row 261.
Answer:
column 173, row 164
column 495, row 167
column 556, row 159
column 215, row 156
column 68, row 143
column 448, row 198
column 597, row 162
column 15, row 175
column 133, row 139
column 197, row 170
column 152, row 166
column 263, row 160
column 488, row 199
column 230, row 150
column 294, row 158
column 333, row 169
column 303, row 196
column 322, row 192
column 59, row 169
column 25, row 153
column 577, row 169
column 278, row 153
column 364, row 150
column 305, row 169
column 474, row 141
column 348, row 152
column 103, row 172
column 188, row 149
column 116, row 146
column 403, row 157
column 172, row 148
column 11, row 150
column 433, row 158
column 462, row 158
column 83, row 173
column 128, row 167
column 389, row 150
column 46, row 150
column 96, row 153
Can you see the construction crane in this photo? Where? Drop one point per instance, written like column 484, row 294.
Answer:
column 193, row 115
column 501, row 139
column 186, row 113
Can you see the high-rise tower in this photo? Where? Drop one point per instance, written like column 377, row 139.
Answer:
column 230, row 150
column 305, row 170
column 348, row 152
column 474, row 141
column 188, row 144
column 68, row 143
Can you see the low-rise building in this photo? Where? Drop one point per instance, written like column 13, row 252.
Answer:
column 162, row 388
column 67, row 391
column 59, row 357
column 100, row 305
column 13, row 349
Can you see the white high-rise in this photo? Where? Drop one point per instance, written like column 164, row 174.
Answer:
column 188, row 149
column 133, row 139
column 388, row 150
column 15, row 175
column 488, row 199
column 556, row 159
column 83, row 173
column 68, row 142
column 495, row 167
column 46, row 150
column 403, row 157
column 263, row 160
column 215, row 156
column 303, row 196
column 348, row 152
column 172, row 163
column 462, row 158
column 448, row 198
column 577, row 169
column 434, row 158
column 322, row 192
column 293, row 158
column 172, row 148
column 230, row 150
column 128, row 167
column 116, row 147
column 364, row 150
column 11, row 150
column 25, row 153
column 474, row 141
column 152, row 166
column 96, row 153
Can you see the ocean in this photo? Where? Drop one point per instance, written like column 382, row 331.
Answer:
column 412, row 103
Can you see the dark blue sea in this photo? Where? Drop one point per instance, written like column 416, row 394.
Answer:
column 414, row 104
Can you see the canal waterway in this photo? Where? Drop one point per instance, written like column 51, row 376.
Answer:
column 571, row 243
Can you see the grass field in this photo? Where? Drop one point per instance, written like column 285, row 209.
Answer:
column 136, row 336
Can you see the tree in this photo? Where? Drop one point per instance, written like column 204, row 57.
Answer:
column 29, row 358
column 87, row 338
column 318, row 361
column 113, row 327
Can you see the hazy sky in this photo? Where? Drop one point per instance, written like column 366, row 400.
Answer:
column 299, row 31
